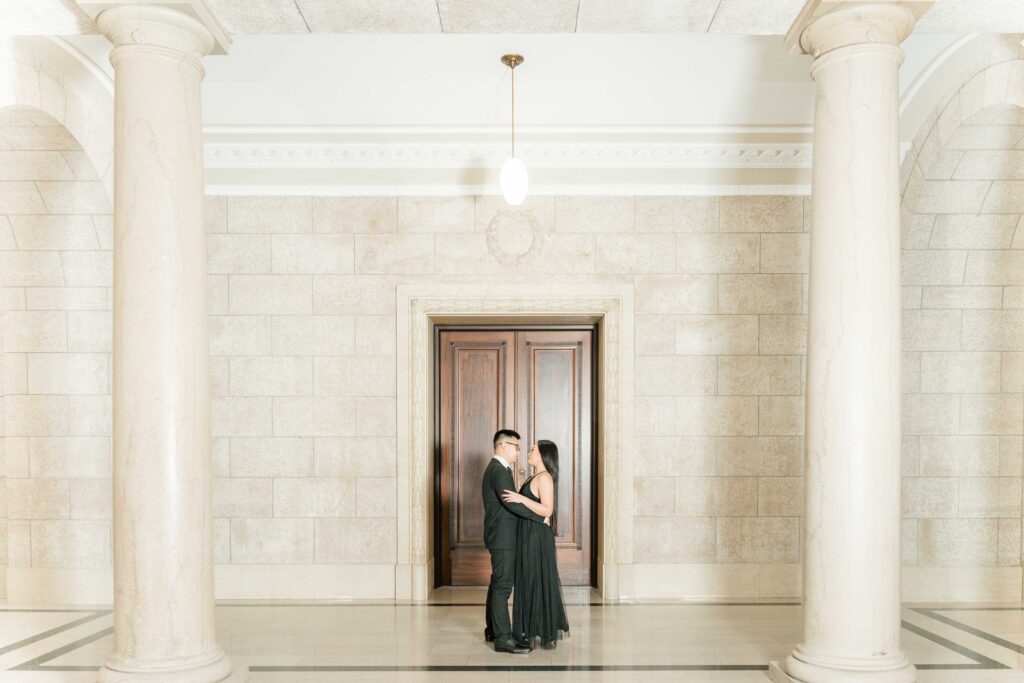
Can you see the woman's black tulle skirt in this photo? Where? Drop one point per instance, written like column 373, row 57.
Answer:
column 538, row 610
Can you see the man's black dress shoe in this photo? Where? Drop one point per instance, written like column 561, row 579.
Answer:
column 521, row 642
column 511, row 646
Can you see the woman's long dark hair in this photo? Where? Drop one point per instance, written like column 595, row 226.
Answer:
column 549, row 456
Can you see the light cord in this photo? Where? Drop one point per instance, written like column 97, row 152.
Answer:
column 513, row 112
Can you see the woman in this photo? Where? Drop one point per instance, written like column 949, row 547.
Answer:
column 538, row 611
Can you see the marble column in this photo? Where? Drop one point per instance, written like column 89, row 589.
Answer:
column 163, row 547
column 851, row 549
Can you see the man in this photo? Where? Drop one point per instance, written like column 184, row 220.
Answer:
column 501, row 521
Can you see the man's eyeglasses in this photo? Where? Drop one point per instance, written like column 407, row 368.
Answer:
column 513, row 445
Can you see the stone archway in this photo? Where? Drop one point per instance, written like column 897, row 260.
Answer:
column 50, row 75
column 963, row 197
column 56, row 237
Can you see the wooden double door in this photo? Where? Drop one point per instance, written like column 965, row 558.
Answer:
column 538, row 382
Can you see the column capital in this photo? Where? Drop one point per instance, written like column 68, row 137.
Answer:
column 825, row 25
column 186, row 26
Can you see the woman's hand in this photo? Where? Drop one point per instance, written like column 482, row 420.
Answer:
column 512, row 497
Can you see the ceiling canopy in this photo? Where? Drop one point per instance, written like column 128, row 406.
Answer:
column 752, row 17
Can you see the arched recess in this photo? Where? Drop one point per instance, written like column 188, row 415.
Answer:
column 963, row 336
column 55, row 278
column 56, row 235
column 51, row 75
column 983, row 72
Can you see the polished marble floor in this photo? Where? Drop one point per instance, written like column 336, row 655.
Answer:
column 442, row 641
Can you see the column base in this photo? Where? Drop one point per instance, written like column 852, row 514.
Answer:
column 220, row 671
column 779, row 672
column 239, row 674
column 776, row 674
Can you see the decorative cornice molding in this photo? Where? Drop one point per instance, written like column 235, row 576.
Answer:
column 595, row 189
column 454, row 160
column 417, row 155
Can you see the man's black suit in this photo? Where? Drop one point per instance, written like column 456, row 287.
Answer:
column 501, row 521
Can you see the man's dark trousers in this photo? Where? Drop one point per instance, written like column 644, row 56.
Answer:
column 503, row 565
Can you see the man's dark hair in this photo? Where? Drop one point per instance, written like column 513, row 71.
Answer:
column 502, row 433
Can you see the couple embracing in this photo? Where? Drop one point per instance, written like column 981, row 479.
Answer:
column 519, row 532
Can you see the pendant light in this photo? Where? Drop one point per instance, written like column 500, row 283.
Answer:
column 514, row 179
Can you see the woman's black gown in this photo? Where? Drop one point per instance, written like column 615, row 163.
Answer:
column 537, row 610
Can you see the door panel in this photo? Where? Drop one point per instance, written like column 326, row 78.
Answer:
column 553, row 394
column 477, row 388
column 538, row 383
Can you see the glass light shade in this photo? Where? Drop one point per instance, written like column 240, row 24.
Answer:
column 514, row 181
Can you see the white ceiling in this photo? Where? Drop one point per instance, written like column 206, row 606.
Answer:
column 615, row 96
column 759, row 17
column 581, row 82
column 429, row 113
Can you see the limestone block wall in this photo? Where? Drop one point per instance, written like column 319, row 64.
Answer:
column 303, row 343
column 719, row 407
column 302, row 303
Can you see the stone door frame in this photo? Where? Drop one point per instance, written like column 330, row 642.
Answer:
column 419, row 308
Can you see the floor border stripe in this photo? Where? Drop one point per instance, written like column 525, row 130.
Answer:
column 933, row 613
column 52, row 632
column 982, row 662
column 36, row 663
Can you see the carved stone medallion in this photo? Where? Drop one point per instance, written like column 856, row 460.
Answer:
column 514, row 237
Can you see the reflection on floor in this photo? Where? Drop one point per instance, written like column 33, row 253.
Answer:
column 442, row 640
